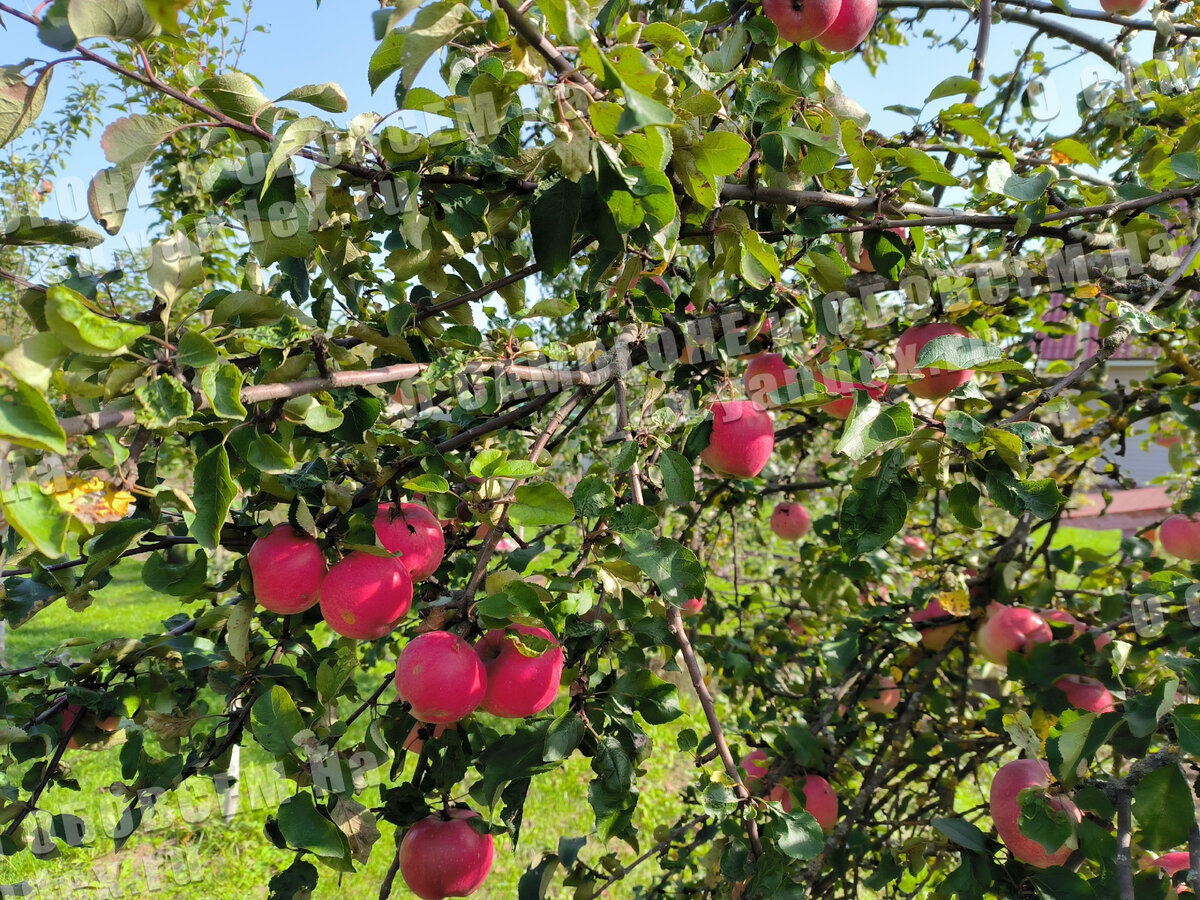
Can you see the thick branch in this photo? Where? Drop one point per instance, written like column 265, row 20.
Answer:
column 529, row 32
column 1124, row 836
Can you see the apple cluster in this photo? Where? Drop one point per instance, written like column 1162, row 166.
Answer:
column 838, row 25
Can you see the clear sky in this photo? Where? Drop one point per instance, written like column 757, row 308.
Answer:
column 303, row 44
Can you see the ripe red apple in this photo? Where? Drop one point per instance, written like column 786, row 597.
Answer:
column 839, row 381
column 1124, row 7
column 1013, row 778
column 440, row 676
column 1099, row 638
column 938, row 636
column 692, row 607
column 1011, row 628
column 73, row 711
column 801, row 20
column 917, row 548
column 1168, row 440
column 882, row 696
column 820, row 800
column 850, row 27
column 756, row 767
column 790, row 521
column 519, row 685
column 934, row 383
column 743, row 437
column 1180, row 536
column 766, row 374
column 364, row 596
column 287, row 570
column 415, row 533
column 1172, row 864
column 1085, row 693
column 443, row 856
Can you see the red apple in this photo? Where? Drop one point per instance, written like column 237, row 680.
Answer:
column 519, row 685
column 1180, row 536
column 73, row 711
column 287, row 570
column 443, row 856
column 820, row 800
column 1085, row 693
column 1172, row 864
column 1168, row 440
column 790, row 521
column 756, row 766
column 1011, row 628
column 934, row 383
column 766, row 374
column 1099, row 638
column 743, row 437
column 1123, row 7
column 882, row 696
column 364, row 596
column 1013, row 778
column 850, row 28
column 936, row 637
column 415, row 533
column 917, row 548
column 801, row 20
column 692, row 607
column 839, row 381
column 440, row 676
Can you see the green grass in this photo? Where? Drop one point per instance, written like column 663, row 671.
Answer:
column 185, row 851
column 1105, row 543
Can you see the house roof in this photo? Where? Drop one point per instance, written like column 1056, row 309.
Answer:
column 1083, row 343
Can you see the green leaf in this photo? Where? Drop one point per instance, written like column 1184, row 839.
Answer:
column 888, row 252
column 36, row 360
column 222, row 388
column 428, row 484
column 963, row 427
column 541, row 504
column 213, row 495
column 107, row 547
column 593, row 496
column 185, row 579
column 117, row 19
column 294, row 136
column 1163, row 805
column 962, row 832
column 328, row 97
column 237, row 96
column 1075, row 151
column 678, row 478
column 641, row 111
column 162, row 402
column 267, row 455
column 796, row 834
column 667, row 563
column 196, row 351
column 303, row 825
column 434, row 27
column 176, row 266
column 552, row 221
column 872, row 426
column 73, row 322
column 37, row 517
column 25, row 231
column 953, row 86
column 274, row 720
column 166, row 13
column 1186, row 165
column 1000, row 178
column 27, row 420
column 21, row 103
column 128, row 143
column 655, row 699
column 1187, row 727
column 563, row 737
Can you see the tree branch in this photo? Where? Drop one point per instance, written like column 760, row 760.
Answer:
column 529, row 32
column 1124, row 855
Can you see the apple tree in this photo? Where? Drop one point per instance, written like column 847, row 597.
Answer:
column 630, row 370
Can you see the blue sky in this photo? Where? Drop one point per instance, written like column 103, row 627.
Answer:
column 304, row 44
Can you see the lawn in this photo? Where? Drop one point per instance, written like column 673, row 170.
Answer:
column 185, row 851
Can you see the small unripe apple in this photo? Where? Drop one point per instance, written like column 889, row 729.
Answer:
column 756, row 766
column 882, row 696
column 364, row 596
column 1124, row 7
column 766, row 374
column 415, row 533
column 790, row 521
column 692, row 607
column 1085, row 693
column 851, row 26
column 443, row 856
column 440, row 676
column 1011, row 628
column 287, row 570
column 938, row 636
column 934, row 383
column 801, row 20
column 1099, row 638
column 1180, row 536
column 820, row 800
column 917, row 548
column 743, row 437
column 844, row 385
column 519, row 685
column 1005, row 801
